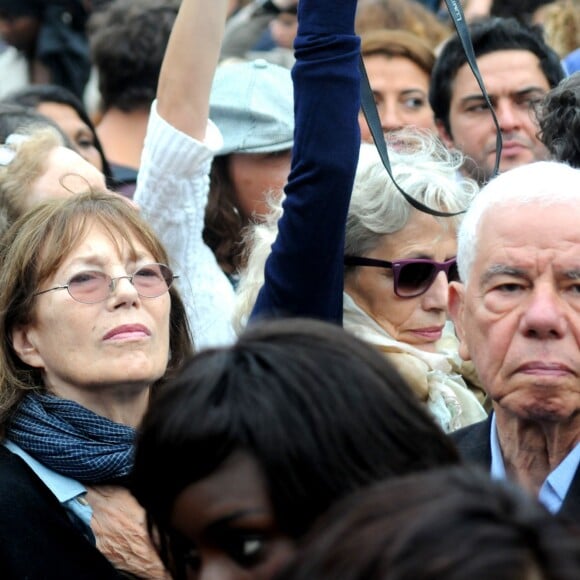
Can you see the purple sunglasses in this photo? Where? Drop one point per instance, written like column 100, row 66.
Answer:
column 411, row 277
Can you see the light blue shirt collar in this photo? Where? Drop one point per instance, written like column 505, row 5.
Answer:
column 64, row 488
column 69, row 492
column 555, row 487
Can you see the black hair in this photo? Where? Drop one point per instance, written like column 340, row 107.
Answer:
column 448, row 524
column 15, row 118
column 128, row 41
column 521, row 9
column 322, row 413
column 34, row 95
column 488, row 35
column 559, row 119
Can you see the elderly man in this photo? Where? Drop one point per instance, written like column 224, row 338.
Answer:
column 518, row 68
column 517, row 314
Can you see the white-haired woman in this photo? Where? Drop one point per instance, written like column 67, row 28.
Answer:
column 398, row 263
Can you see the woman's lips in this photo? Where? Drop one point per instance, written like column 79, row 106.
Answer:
column 432, row 333
column 127, row 332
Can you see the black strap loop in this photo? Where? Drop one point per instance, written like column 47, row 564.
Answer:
column 372, row 117
column 458, row 18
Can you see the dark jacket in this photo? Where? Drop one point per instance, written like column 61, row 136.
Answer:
column 474, row 447
column 38, row 541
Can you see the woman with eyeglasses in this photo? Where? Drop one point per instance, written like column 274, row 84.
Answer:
column 398, row 264
column 90, row 325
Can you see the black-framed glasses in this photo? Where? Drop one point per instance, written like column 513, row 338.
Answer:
column 92, row 286
column 411, row 277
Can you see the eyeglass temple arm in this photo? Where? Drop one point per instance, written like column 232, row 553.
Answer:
column 360, row 261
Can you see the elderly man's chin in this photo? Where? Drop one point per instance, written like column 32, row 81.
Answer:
column 541, row 403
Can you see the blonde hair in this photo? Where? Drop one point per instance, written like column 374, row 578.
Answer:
column 257, row 240
column 27, row 165
column 561, row 24
column 401, row 15
column 398, row 43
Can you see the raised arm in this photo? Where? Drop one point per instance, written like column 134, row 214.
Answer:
column 189, row 65
column 173, row 182
column 304, row 272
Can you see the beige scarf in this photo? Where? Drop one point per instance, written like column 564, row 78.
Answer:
column 429, row 374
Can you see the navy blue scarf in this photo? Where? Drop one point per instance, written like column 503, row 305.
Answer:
column 71, row 440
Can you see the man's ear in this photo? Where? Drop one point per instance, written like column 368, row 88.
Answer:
column 444, row 135
column 24, row 345
column 456, row 312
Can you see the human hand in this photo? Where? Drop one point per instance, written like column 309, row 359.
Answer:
column 118, row 523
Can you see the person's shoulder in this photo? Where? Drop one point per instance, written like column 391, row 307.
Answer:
column 37, row 538
column 473, row 442
column 10, row 464
column 472, row 433
column 18, row 484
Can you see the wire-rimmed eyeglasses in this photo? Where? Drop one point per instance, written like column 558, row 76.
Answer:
column 92, row 286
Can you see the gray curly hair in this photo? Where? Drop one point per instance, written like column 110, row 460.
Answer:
column 422, row 166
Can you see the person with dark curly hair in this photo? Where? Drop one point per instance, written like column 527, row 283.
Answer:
column 559, row 118
column 128, row 41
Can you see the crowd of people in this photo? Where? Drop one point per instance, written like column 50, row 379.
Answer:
column 233, row 345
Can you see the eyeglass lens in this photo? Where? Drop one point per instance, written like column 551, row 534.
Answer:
column 415, row 278
column 150, row 281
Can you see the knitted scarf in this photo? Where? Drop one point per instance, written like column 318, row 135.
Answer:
column 71, row 440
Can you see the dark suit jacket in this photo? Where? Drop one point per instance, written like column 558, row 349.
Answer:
column 37, row 539
column 473, row 445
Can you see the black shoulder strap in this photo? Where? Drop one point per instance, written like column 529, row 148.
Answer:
column 458, row 18
column 372, row 117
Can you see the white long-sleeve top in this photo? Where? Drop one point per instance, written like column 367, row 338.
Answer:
column 172, row 191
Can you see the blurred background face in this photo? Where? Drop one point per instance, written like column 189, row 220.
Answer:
column 254, row 175
column 19, row 31
column 78, row 132
column 283, row 29
column 400, row 88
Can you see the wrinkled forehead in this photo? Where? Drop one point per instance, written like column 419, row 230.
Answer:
column 125, row 237
column 533, row 230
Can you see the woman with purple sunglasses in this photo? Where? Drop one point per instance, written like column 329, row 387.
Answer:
column 398, row 264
